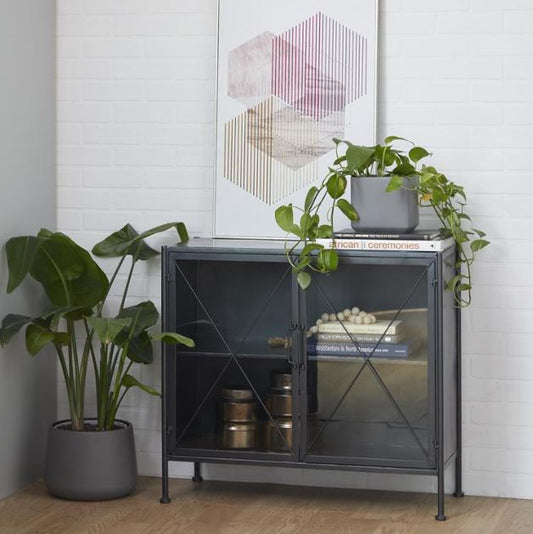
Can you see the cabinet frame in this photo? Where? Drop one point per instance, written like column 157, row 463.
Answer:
column 444, row 422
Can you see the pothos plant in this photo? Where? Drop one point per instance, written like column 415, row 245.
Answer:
column 78, row 322
column 446, row 198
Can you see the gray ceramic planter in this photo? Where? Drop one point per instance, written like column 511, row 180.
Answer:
column 90, row 465
column 379, row 211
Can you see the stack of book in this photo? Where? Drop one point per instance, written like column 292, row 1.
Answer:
column 384, row 339
column 417, row 241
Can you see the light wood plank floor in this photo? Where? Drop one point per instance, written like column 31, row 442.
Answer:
column 235, row 508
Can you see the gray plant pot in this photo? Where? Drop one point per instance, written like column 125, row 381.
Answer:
column 89, row 465
column 380, row 211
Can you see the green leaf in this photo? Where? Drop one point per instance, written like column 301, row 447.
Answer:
column 417, row 153
column 395, row 183
column 124, row 242
column 107, row 329
column 37, row 338
column 44, row 232
column 311, row 247
column 303, row 261
column 20, row 252
column 68, row 312
column 305, row 223
column 336, row 185
column 11, row 324
column 450, row 285
column 324, row 231
column 179, row 226
column 310, row 198
column 304, row 280
column 347, row 209
column 68, row 273
column 391, row 138
column 438, row 196
column 478, row 244
column 128, row 242
column 328, row 260
column 404, row 169
column 358, row 157
column 140, row 349
column 129, row 381
column 171, row 338
column 480, row 233
column 142, row 315
column 285, row 218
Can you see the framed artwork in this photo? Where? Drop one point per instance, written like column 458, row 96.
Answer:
column 292, row 75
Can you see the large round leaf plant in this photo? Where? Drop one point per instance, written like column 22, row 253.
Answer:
column 78, row 323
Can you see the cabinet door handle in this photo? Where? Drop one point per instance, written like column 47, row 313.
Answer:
column 292, row 363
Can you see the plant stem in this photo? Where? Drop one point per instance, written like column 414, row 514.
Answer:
column 122, row 302
column 76, row 416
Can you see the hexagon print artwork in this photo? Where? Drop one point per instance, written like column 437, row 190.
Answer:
column 288, row 93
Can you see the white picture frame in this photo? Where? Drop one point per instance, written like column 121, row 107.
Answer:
column 291, row 76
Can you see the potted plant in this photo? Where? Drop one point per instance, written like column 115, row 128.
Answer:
column 375, row 172
column 88, row 458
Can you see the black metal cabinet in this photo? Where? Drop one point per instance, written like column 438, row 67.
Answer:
column 387, row 402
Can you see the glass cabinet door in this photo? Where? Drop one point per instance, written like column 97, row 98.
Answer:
column 369, row 364
column 234, row 389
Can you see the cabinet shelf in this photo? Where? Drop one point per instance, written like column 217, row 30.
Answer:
column 419, row 358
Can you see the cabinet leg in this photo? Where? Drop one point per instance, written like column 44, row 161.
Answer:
column 165, row 499
column 440, row 495
column 458, row 476
column 197, row 473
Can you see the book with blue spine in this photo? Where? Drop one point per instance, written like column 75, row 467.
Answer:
column 386, row 350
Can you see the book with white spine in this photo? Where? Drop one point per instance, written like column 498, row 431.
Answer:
column 395, row 245
column 379, row 327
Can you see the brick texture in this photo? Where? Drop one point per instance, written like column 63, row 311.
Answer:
column 136, row 127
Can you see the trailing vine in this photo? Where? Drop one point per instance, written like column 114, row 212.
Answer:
column 434, row 190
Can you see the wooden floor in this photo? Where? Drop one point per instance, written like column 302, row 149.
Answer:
column 235, row 508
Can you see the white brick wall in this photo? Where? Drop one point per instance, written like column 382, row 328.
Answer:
column 136, row 87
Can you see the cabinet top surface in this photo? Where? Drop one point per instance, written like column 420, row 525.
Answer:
column 271, row 246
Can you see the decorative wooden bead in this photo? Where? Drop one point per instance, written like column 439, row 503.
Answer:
column 325, row 317
column 347, row 312
column 367, row 319
column 355, row 310
column 313, row 329
column 319, row 322
column 340, row 316
column 362, row 313
column 332, row 317
column 352, row 318
column 358, row 319
column 372, row 317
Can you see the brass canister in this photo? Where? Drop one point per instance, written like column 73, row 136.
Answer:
column 279, row 402
column 237, row 405
column 236, row 393
column 279, row 434
column 239, row 436
column 281, row 380
column 239, row 412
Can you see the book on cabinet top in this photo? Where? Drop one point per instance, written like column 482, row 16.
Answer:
column 387, row 245
column 422, row 234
